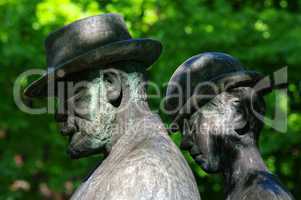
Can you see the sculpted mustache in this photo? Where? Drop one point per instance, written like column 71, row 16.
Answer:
column 84, row 125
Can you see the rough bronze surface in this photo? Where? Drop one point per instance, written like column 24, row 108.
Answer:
column 222, row 136
column 98, row 72
column 142, row 162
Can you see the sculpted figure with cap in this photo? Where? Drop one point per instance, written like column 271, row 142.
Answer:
column 219, row 126
column 107, row 111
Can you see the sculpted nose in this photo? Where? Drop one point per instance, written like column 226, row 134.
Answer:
column 186, row 144
column 60, row 118
column 67, row 130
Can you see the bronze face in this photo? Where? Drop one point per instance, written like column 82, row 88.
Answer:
column 212, row 129
column 89, row 116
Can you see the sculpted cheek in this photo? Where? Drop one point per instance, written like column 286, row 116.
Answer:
column 93, row 134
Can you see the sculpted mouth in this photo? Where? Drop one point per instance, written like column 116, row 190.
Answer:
column 195, row 151
column 197, row 155
column 192, row 148
column 199, row 159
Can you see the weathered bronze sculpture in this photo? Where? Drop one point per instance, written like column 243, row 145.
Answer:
column 110, row 112
column 219, row 126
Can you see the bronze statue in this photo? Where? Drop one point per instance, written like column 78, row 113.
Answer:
column 110, row 113
column 219, row 126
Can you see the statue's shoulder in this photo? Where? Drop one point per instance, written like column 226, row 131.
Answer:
column 148, row 176
column 264, row 185
column 139, row 175
column 154, row 168
column 144, row 164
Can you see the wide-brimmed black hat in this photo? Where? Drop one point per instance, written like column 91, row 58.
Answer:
column 200, row 78
column 96, row 41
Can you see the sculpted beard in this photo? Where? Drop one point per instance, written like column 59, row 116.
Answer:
column 88, row 135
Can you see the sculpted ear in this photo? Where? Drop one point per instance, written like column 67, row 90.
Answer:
column 114, row 88
column 244, row 126
column 250, row 102
column 243, row 111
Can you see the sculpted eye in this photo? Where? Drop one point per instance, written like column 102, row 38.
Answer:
column 108, row 78
column 80, row 97
column 244, row 129
column 80, row 103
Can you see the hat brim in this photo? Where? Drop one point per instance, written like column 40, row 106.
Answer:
column 145, row 51
column 226, row 81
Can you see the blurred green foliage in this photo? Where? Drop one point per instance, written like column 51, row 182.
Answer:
column 265, row 35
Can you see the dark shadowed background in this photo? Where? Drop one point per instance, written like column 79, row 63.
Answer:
column 265, row 35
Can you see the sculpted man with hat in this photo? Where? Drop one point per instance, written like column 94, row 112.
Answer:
column 219, row 126
column 107, row 111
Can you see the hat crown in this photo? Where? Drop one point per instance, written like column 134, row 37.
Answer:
column 202, row 68
column 84, row 35
column 210, row 64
